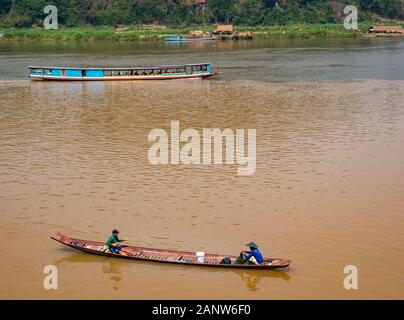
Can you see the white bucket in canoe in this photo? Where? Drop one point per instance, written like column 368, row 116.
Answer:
column 200, row 257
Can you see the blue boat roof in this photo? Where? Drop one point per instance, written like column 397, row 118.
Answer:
column 123, row 68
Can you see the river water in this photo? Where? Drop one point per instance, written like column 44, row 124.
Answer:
column 327, row 191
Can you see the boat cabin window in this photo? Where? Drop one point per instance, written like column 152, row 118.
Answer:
column 36, row 71
column 107, row 73
column 197, row 68
column 83, row 72
column 47, row 71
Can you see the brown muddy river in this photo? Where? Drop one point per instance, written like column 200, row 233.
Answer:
column 327, row 191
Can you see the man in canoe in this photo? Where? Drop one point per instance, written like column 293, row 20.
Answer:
column 252, row 256
column 113, row 241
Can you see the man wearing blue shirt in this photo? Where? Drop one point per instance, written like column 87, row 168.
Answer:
column 254, row 255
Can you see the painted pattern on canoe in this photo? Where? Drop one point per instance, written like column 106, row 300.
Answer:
column 164, row 255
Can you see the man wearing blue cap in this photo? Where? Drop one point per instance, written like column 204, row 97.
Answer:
column 113, row 240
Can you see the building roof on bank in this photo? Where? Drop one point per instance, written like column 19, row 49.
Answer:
column 387, row 28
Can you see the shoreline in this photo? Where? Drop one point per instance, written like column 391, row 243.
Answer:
column 135, row 33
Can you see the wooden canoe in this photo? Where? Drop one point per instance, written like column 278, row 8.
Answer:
column 161, row 255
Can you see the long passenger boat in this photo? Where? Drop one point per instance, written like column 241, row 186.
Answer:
column 186, row 71
column 166, row 256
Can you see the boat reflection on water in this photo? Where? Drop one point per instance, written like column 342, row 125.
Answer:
column 210, row 45
column 62, row 91
column 253, row 278
column 109, row 267
column 67, row 89
column 113, row 269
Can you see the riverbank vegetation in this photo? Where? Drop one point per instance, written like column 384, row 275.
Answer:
column 135, row 33
column 126, row 20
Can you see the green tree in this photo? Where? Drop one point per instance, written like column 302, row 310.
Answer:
column 222, row 10
column 5, row 6
column 250, row 12
column 24, row 13
column 292, row 12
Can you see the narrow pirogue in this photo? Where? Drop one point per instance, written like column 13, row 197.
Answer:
column 186, row 71
column 167, row 256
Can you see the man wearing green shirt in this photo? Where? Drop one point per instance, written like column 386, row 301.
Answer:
column 112, row 242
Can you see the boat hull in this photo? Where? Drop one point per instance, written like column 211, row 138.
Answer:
column 164, row 256
column 170, row 72
column 120, row 78
column 188, row 39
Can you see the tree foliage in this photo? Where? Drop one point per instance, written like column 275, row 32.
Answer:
column 25, row 13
